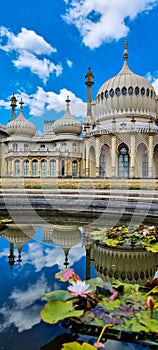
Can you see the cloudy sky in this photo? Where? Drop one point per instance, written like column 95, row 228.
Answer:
column 47, row 46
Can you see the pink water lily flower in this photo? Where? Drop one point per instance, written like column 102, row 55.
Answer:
column 67, row 274
column 79, row 288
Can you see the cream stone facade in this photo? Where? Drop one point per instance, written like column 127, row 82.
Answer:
column 119, row 137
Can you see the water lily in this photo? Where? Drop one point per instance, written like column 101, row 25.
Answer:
column 79, row 288
column 67, row 274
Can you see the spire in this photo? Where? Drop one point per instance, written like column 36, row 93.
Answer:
column 89, row 82
column 21, row 103
column 13, row 105
column 125, row 53
column 68, row 103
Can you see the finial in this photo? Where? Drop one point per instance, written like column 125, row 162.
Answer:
column 125, row 53
column 67, row 101
column 21, row 104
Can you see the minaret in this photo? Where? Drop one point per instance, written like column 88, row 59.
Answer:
column 11, row 256
column 13, row 105
column 89, row 82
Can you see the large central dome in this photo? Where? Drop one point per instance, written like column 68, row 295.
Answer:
column 125, row 94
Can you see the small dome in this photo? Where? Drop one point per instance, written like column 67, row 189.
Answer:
column 67, row 124
column 21, row 125
column 127, row 93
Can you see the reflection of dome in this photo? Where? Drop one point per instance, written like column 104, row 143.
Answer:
column 126, row 93
column 127, row 265
column 67, row 124
column 64, row 236
column 19, row 235
column 21, row 125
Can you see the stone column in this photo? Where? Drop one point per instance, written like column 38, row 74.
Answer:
column 30, row 167
column 113, row 155
column 133, row 157
column 87, row 158
column 97, row 157
column 150, row 157
column 39, row 167
column 48, row 167
column 21, row 168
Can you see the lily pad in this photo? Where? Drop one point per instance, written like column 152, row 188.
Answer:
column 57, row 310
column 77, row 346
column 58, row 295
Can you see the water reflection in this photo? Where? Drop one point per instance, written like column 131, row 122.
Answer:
column 30, row 257
column 128, row 265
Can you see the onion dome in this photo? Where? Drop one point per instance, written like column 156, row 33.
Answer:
column 67, row 124
column 126, row 93
column 20, row 125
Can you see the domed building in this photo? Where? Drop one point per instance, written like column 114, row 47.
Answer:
column 118, row 139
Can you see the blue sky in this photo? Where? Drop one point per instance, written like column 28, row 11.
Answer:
column 47, row 46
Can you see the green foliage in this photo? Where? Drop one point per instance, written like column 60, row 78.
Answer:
column 57, row 310
column 76, row 346
column 147, row 236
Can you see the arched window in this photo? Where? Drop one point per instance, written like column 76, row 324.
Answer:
column 43, row 168
column 74, row 168
column 123, row 162
column 53, row 168
column 35, row 168
column 145, row 164
column 102, row 163
column 26, row 167
column 17, row 168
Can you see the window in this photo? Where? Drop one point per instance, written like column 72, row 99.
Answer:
column 130, row 90
column 137, row 90
column 74, row 148
column 26, row 147
column 102, row 95
column 63, row 147
column 35, row 168
column 74, row 168
column 106, row 94
column 43, row 168
column 117, row 91
column 142, row 91
column 112, row 92
column 42, row 148
column 123, row 162
column 147, row 92
column 26, row 167
column 124, row 91
column 17, row 168
column 52, row 168
column 145, row 164
column 15, row 147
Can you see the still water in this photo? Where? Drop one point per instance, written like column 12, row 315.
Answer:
column 30, row 256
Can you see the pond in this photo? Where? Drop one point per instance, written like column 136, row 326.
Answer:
column 32, row 251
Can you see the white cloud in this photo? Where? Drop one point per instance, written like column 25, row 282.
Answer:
column 155, row 85
column 103, row 21
column 69, row 63
column 42, row 67
column 153, row 80
column 28, row 46
column 43, row 101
